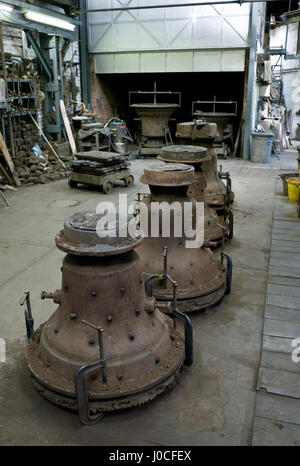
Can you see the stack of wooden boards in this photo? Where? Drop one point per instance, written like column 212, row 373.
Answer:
column 98, row 163
column 100, row 169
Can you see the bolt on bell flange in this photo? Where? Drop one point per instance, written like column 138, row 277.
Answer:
column 101, row 309
column 215, row 226
column 201, row 277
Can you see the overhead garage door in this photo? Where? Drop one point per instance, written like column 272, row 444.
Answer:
column 183, row 39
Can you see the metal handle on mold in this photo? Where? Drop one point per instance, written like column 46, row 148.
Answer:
column 81, row 382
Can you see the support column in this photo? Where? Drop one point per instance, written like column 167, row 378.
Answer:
column 84, row 58
column 250, row 107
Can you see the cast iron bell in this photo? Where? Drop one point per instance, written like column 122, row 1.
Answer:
column 202, row 279
column 103, row 349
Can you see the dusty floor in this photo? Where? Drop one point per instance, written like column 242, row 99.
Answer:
column 214, row 404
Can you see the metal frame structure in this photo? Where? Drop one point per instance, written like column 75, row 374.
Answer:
column 214, row 103
column 251, row 81
column 84, row 59
column 155, row 93
column 172, row 5
column 49, row 55
column 50, row 52
column 16, row 19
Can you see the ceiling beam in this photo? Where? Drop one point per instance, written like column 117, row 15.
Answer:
column 173, row 5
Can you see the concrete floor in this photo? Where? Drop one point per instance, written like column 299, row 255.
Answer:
column 214, row 403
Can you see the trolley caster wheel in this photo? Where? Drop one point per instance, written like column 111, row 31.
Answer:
column 72, row 184
column 107, row 187
column 230, row 225
column 129, row 180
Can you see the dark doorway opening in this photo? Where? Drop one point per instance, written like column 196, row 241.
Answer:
column 114, row 88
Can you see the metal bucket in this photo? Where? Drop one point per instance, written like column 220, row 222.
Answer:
column 284, row 177
column 261, row 147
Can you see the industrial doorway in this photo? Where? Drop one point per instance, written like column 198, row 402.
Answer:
column 111, row 94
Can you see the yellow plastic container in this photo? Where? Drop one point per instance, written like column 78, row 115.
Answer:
column 293, row 189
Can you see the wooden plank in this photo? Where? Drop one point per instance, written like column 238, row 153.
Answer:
column 279, row 382
column 6, row 175
column 288, row 242
column 285, row 235
column 286, row 225
column 281, row 313
column 283, row 290
column 278, row 345
column 289, row 281
column 8, row 160
column 68, row 128
column 280, row 408
column 281, row 328
column 288, row 302
column 285, row 246
column 286, row 259
column 288, row 255
column 269, row 432
column 284, row 271
column 286, row 211
column 279, row 361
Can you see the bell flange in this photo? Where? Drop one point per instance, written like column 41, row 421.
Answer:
column 200, row 276
column 113, row 395
column 167, row 174
column 114, row 404
column 201, row 302
column 84, row 236
column 183, row 154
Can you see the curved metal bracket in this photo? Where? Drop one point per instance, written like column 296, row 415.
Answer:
column 175, row 314
column 82, row 394
column 188, row 336
column 230, row 219
column 149, row 284
column 226, row 176
column 29, row 322
column 81, row 387
column 229, row 271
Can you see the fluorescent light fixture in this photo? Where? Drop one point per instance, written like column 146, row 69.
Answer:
column 49, row 20
column 4, row 7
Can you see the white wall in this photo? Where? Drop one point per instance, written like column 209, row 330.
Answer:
column 168, row 39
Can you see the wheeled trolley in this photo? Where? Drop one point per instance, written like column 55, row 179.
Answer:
column 100, row 169
column 106, row 182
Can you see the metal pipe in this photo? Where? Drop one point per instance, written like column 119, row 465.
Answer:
column 246, row 145
column 172, row 5
column 85, row 78
column 287, row 29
